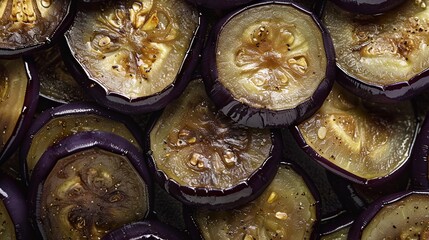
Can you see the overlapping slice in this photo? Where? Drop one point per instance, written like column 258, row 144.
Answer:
column 362, row 140
column 196, row 148
column 286, row 210
column 385, row 55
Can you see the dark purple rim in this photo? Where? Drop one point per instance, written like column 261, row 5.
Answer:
column 148, row 229
column 146, row 104
column 80, row 142
column 75, row 109
column 13, row 197
column 419, row 158
column 251, row 116
column 56, row 35
column 28, row 110
column 367, row 7
column 195, row 232
column 313, row 154
column 365, row 217
column 228, row 198
column 336, row 223
column 392, row 93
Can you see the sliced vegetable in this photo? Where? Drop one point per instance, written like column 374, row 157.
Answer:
column 30, row 25
column 399, row 216
column 364, row 142
column 19, row 89
column 71, row 196
column 57, row 123
column 202, row 158
column 135, row 55
column 287, row 209
column 382, row 58
column 269, row 64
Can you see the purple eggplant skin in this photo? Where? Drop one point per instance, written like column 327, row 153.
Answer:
column 365, row 217
column 13, row 197
column 56, row 36
column 80, row 142
column 368, row 7
column 144, row 104
column 419, row 156
column 388, row 94
column 148, row 229
column 195, row 232
column 71, row 109
column 220, row 4
column 255, row 117
column 228, row 198
column 28, row 110
column 338, row 222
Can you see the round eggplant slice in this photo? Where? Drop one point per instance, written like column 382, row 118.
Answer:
column 368, row 7
column 26, row 25
column 149, row 229
column 13, row 211
column 398, row 216
column 204, row 159
column 270, row 64
column 56, row 83
column 220, row 4
column 364, row 142
column 57, row 123
column 287, row 209
column 382, row 58
column 19, row 90
column 419, row 157
column 87, row 185
column 135, row 56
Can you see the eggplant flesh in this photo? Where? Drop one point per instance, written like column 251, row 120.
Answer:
column 271, row 56
column 13, row 88
column 406, row 218
column 365, row 139
column 30, row 23
column 85, row 199
column 133, row 48
column 63, row 126
column 7, row 230
column 197, row 146
column 383, row 49
column 285, row 210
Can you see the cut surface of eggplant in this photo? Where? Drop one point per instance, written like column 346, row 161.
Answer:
column 7, row 230
column 197, row 146
column 30, row 23
column 400, row 217
column 381, row 50
column 56, row 124
column 86, row 199
column 133, row 48
column 56, row 82
column 285, row 210
column 364, row 140
column 271, row 56
column 13, row 88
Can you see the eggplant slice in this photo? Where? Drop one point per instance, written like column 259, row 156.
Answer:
column 203, row 158
column 269, row 64
column 19, row 89
column 365, row 142
column 398, row 216
column 287, row 209
column 369, row 7
column 383, row 58
column 29, row 24
column 135, row 56
column 87, row 185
